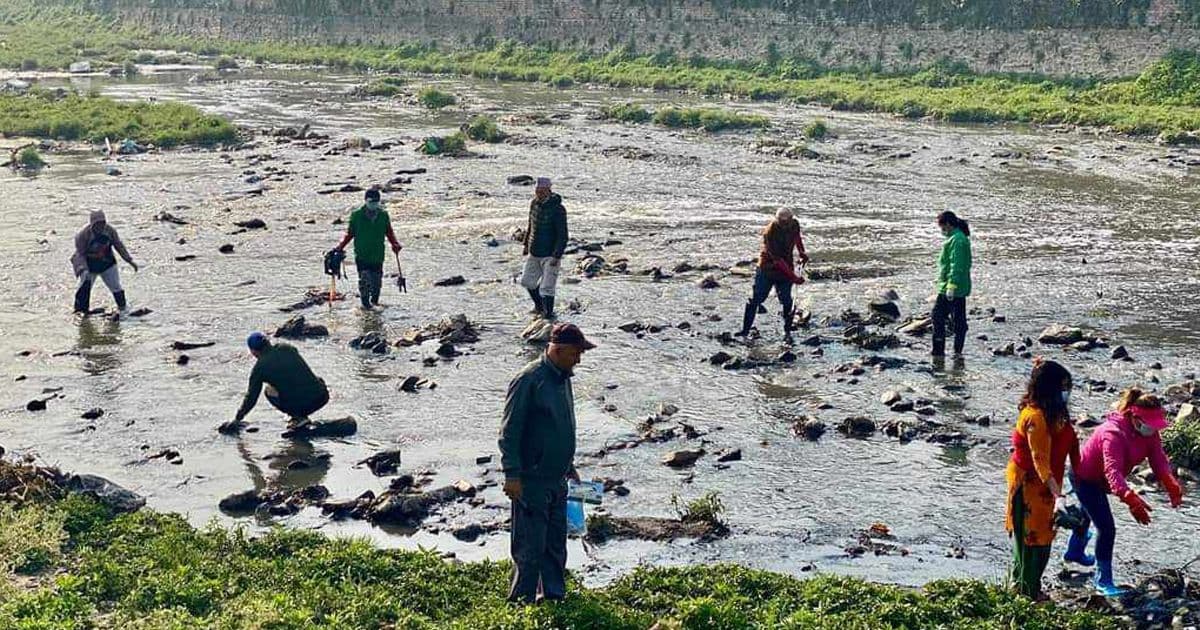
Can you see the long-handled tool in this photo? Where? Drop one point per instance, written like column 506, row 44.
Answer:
column 401, row 282
column 334, row 260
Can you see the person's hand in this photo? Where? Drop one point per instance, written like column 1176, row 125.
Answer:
column 950, row 293
column 513, row 489
column 1055, row 488
column 134, row 265
column 804, row 259
column 396, row 248
column 1174, row 491
column 1137, row 507
column 573, row 475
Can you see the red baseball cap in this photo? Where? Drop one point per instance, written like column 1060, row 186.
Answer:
column 570, row 335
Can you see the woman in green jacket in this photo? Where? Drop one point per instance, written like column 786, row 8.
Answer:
column 954, row 283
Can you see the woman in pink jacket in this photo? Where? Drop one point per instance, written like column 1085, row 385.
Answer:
column 1129, row 437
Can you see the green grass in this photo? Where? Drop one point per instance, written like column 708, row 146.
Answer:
column 30, row 158
column 454, row 144
column 706, row 509
column 1163, row 100
column 816, row 130
column 484, row 129
column 706, row 118
column 433, row 98
column 385, row 87
column 1182, row 442
column 94, row 118
column 155, row 571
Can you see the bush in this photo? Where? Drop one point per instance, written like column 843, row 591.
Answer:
column 1174, row 80
column 484, row 129
column 626, row 112
column 454, row 144
column 708, row 119
column 384, row 87
column 1182, row 442
column 706, row 509
column 129, row 69
column 225, row 62
column 31, row 539
column 816, row 130
column 433, row 98
column 30, row 158
column 29, row 65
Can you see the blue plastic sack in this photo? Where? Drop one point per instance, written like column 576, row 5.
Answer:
column 576, row 519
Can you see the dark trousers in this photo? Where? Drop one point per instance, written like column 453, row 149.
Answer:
column 763, row 283
column 956, row 311
column 300, row 410
column 1094, row 499
column 1029, row 561
column 539, row 542
column 370, row 282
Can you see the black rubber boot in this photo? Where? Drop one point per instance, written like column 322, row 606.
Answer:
column 83, row 299
column 748, row 319
column 787, row 327
column 548, row 306
column 119, row 296
column 537, row 301
column 939, row 347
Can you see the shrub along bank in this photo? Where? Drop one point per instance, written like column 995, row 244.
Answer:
column 1163, row 100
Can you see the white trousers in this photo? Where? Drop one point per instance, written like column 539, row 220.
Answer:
column 110, row 276
column 541, row 274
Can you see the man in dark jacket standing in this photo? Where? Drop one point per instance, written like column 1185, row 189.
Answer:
column 545, row 241
column 537, row 451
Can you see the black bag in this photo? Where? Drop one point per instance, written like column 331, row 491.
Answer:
column 335, row 260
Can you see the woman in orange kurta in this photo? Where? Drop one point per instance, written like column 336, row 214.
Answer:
column 1042, row 441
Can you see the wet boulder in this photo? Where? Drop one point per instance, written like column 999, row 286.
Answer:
column 37, row 404
column 241, row 502
column 521, row 180
column 227, row 248
column 607, row 527
column 252, row 224
column 340, row 427
column 538, row 331
column 92, row 414
column 730, row 455
column 720, row 358
column 682, row 458
column 1120, row 353
column 1188, row 413
column 1061, row 335
column 298, row 328
column 917, row 327
column 857, row 426
column 410, row 509
column 884, row 308
column 590, row 266
column 383, row 463
column 106, row 493
column 373, row 341
column 890, row 398
column 809, row 428
column 709, row 282
column 452, row 281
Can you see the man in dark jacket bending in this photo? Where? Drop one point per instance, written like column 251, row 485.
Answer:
column 537, row 450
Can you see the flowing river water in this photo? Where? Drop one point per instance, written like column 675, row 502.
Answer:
column 1067, row 227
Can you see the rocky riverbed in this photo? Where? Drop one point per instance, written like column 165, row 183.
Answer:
column 849, row 428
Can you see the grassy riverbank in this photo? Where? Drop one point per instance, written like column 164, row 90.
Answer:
column 68, row 562
column 1163, row 100
column 42, row 114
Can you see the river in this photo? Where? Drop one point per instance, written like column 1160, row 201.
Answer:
column 1073, row 227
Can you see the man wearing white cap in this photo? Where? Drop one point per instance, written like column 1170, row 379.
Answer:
column 545, row 241
column 93, row 257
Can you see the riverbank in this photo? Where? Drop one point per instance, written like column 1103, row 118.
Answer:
column 70, row 561
column 1160, row 102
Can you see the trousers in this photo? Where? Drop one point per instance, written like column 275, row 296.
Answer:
column 541, row 274
column 539, row 542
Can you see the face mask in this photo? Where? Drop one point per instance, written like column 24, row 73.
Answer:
column 374, row 206
column 1144, row 429
column 1066, row 396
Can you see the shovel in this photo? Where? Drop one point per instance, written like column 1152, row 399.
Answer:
column 401, row 282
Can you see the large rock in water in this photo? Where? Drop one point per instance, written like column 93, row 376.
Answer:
column 411, row 509
column 1061, row 335
column 297, row 328
column 886, row 309
column 682, row 458
column 341, row 427
column 106, row 492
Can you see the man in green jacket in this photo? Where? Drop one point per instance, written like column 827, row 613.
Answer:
column 368, row 226
column 291, row 385
column 545, row 242
column 953, row 285
column 537, row 452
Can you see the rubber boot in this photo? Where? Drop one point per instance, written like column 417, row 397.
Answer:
column 1077, row 549
column 748, row 320
column 939, row 347
column 548, row 306
column 537, row 301
column 1104, row 580
column 787, row 327
column 119, row 297
column 83, row 299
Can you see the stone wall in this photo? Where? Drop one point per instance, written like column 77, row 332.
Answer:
column 687, row 27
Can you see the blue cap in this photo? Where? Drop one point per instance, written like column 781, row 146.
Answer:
column 257, row 341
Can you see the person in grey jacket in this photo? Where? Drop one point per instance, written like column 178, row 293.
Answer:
column 537, row 452
column 93, row 258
